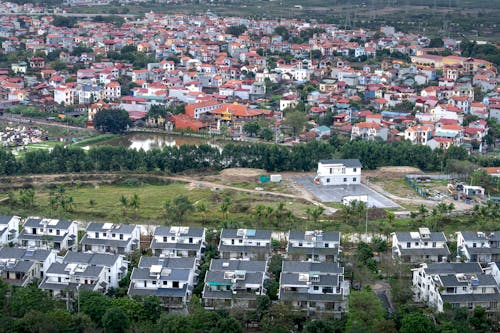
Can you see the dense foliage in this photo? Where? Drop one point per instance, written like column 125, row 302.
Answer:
column 111, row 120
column 302, row 157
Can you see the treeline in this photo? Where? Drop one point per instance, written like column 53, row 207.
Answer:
column 273, row 158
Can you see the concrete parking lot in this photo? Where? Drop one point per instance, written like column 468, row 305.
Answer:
column 336, row 193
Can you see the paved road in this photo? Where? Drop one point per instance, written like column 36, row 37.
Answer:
column 337, row 193
column 71, row 14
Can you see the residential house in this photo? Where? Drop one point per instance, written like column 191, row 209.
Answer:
column 234, row 283
column 316, row 245
column 461, row 285
column 111, row 238
column 421, row 246
column 418, row 135
column 245, row 244
column 478, row 246
column 178, row 242
column 20, row 267
column 83, row 271
column 49, row 234
column 338, row 172
column 369, row 131
column 169, row 279
column 314, row 287
column 9, row 229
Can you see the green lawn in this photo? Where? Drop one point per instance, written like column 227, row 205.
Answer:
column 107, row 207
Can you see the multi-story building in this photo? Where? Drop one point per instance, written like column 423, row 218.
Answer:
column 313, row 245
column 170, row 279
column 338, row 172
column 418, row 135
column 234, row 283
column 245, row 244
column 314, row 287
column 421, row 246
column 111, row 238
column 479, row 246
column 369, row 131
column 462, row 285
column 49, row 234
column 178, row 242
column 84, row 271
column 9, row 229
column 20, row 267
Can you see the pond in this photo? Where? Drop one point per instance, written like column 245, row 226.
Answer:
column 149, row 141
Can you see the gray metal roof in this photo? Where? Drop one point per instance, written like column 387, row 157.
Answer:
column 324, row 280
column 471, row 236
column 191, row 232
column 350, row 163
column 99, row 259
column 298, row 296
column 453, row 268
column 474, row 298
column 147, row 262
column 176, row 274
column 111, row 228
column 90, row 271
column 103, row 241
column 36, row 222
column 6, row 219
column 432, row 251
column 238, row 265
column 179, row 246
column 307, row 266
column 250, row 278
column 328, row 236
column 407, row 237
column 248, row 233
column 24, row 254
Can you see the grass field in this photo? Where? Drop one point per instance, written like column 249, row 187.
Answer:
column 106, row 205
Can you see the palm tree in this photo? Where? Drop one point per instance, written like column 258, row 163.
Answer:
column 315, row 212
column 135, row 202
column 224, row 207
column 202, row 208
column 124, row 203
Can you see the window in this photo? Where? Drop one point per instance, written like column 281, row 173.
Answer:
column 300, row 244
column 433, row 244
column 345, row 180
column 172, row 238
column 114, row 235
column 354, row 179
column 425, row 243
column 473, row 244
column 175, row 284
column 154, row 282
column 316, row 288
column 96, row 235
column 408, row 245
column 59, row 279
column 50, row 231
column 328, row 180
column 165, row 283
column 354, row 169
column 331, row 171
column 416, row 243
column 58, row 232
column 104, row 234
column 121, row 236
column 327, row 245
column 164, row 238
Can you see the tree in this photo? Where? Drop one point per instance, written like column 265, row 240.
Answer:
column 319, row 326
column 115, row 320
column 176, row 209
column 251, row 128
column 111, row 120
column 416, row 322
column 227, row 325
column 365, row 310
column 174, row 323
column 314, row 212
column 436, row 43
column 266, row 134
column 296, row 120
column 94, row 304
column 282, row 31
column 224, row 206
column 236, row 30
column 27, row 197
column 135, row 202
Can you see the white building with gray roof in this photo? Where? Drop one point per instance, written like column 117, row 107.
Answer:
column 421, row 246
column 111, row 238
column 315, row 245
column 20, row 266
column 234, row 283
column 245, row 244
column 458, row 284
column 170, row 279
column 314, row 287
column 338, row 172
column 174, row 241
column 84, row 271
column 49, row 234
column 9, row 229
column 477, row 246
